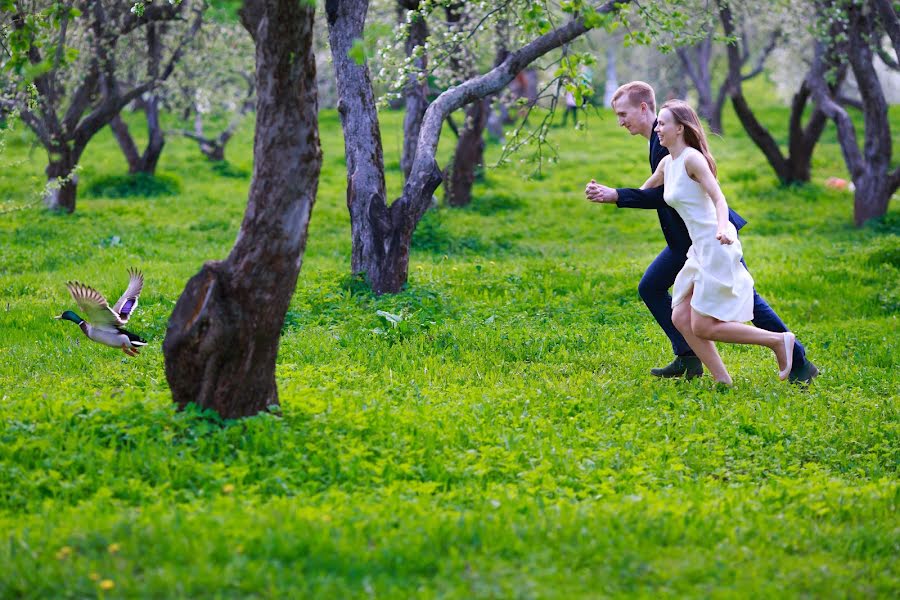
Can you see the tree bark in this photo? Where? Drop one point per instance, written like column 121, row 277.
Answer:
column 137, row 162
column 416, row 91
column 469, row 154
column 381, row 234
column 222, row 339
column 63, row 181
column 468, row 157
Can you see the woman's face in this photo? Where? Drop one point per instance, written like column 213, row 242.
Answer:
column 667, row 129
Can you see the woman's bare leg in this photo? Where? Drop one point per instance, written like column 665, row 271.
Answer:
column 703, row 348
column 710, row 328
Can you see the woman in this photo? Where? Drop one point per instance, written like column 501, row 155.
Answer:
column 713, row 292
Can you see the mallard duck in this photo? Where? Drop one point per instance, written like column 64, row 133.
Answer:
column 104, row 324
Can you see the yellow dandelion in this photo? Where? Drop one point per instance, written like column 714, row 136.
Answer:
column 113, row 548
column 107, row 584
column 94, row 576
column 227, row 488
column 64, row 552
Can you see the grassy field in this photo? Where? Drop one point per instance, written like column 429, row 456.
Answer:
column 505, row 440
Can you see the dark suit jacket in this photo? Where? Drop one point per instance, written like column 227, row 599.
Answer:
column 673, row 227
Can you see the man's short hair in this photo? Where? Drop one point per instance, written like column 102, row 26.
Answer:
column 636, row 92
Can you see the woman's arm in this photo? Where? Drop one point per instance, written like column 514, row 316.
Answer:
column 699, row 170
column 658, row 176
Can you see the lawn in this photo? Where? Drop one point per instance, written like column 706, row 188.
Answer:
column 503, row 440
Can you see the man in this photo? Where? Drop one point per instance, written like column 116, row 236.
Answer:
column 635, row 106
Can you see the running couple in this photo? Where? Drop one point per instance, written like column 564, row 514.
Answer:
column 713, row 292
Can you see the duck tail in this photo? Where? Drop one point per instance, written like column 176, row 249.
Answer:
column 134, row 338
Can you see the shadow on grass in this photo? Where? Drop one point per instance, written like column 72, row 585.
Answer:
column 226, row 169
column 492, row 204
column 130, row 186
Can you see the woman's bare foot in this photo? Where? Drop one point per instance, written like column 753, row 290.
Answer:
column 784, row 352
column 724, row 380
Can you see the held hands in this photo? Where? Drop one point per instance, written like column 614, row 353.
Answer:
column 601, row 194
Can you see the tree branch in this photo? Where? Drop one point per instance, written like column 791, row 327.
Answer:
column 163, row 11
column 497, row 78
column 761, row 59
column 424, row 165
column 835, row 112
column 891, row 24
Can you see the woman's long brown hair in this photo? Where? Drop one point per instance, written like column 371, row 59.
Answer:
column 694, row 135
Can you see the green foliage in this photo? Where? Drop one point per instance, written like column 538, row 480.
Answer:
column 491, row 431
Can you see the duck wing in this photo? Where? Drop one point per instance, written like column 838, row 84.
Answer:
column 95, row 307
column 129, row 300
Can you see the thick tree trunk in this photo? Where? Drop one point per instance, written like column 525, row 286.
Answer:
column 223, row 335
column 469, row 155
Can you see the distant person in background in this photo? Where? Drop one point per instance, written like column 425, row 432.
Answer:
column 585, row 79
column 635, row 106
column 571, row 107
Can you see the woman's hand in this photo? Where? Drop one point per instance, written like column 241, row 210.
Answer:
column 726, row 235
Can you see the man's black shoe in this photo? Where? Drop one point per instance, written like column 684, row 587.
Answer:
column 683, row 366
column 804, row 374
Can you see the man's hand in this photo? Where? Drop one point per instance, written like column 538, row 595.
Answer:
column 601, row 194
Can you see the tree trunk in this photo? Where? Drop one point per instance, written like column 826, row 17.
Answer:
column 222, row 339
column 871, row 198
column 416, row 91
column 63, row 189
column 469, row 155
column 146, row 162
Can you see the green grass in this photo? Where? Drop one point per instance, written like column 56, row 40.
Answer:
column 504, row 440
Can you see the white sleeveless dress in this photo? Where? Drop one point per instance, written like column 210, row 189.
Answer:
column 723, row 288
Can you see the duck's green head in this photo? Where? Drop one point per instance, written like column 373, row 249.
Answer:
column 70, row 316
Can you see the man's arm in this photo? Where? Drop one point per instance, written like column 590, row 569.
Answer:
column 650, row 195
column 625, row 197
column 635, row 198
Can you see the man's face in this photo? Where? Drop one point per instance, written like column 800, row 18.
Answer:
column 630, row 116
